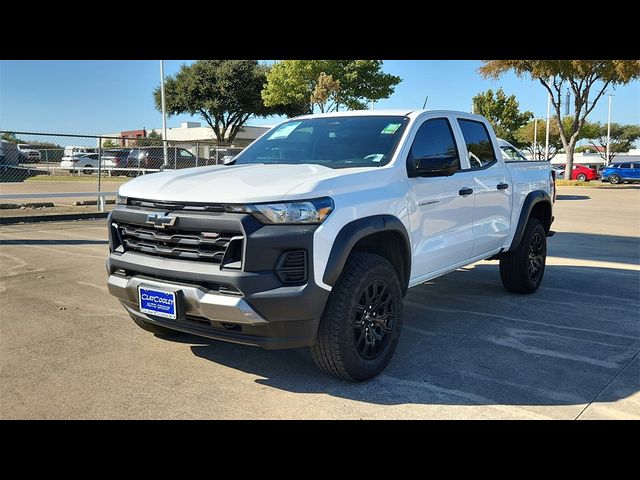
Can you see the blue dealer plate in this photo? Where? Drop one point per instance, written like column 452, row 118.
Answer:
column 157, row 302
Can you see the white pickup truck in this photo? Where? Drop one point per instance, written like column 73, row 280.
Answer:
column 314, row 233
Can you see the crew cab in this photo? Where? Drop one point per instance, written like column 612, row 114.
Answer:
column 312, row 235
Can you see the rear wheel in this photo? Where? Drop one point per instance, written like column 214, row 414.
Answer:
column 153, row 328
column 361, row 322
column 521, row 270
column 87, row 170
column 614, row 179
column 581, row 177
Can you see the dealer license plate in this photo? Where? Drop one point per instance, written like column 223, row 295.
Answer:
column 157, row 302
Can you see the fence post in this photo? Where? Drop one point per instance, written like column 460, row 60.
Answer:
column 196, row 154
column 100, row 197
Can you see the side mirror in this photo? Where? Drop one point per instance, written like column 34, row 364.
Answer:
column 433, row 166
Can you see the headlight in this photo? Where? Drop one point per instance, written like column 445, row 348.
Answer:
column 308, row 211
column 120, row 200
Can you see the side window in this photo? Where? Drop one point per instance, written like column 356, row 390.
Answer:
column 435, row 139
column 185, row 153
column 478, row 143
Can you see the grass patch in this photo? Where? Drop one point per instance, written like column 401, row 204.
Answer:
column 576, row 183
column 75, row 178
column 592, row 183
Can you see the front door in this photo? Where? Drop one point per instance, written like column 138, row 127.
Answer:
column 441, row 208
column 491, row 185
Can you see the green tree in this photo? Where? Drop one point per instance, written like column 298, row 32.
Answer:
column 526, row 135
column 108, row 143
column 622, row 139
column 295, row 84
column 225, row 93
column 587, row 79
column 11, row 137
column 503, row 112
column 151, row 140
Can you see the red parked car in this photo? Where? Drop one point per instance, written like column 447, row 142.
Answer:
column 582, row 173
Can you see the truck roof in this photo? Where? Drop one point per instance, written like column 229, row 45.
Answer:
column 408, row 112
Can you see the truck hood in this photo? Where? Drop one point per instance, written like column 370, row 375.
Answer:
column 227, row 184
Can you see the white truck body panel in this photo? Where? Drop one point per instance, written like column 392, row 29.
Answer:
column 447, row 230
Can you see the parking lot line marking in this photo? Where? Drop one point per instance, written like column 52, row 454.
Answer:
column 472, row 398
column 513, row 319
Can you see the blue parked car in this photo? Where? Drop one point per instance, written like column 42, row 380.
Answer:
column 621, row 172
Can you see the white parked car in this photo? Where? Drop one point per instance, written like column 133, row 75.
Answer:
column 86, row 163
column 73, row 150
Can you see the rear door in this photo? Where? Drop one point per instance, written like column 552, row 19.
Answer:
column 626, row 171
column 441, row 208
column 491, row 185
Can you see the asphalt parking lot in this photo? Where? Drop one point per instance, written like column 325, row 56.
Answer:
column 469, row 349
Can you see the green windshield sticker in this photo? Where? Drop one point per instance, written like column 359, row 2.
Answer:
column 390, row 129
column 284, row 131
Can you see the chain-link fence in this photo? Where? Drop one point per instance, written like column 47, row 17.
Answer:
column 41, row 170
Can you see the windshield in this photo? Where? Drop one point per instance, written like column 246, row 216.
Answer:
column 335, row 142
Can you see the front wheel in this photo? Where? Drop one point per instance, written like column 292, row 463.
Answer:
column 361, row 322
column 614, row 179
column 521, row 270
column 581, row 177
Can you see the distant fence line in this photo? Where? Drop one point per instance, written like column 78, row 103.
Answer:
column 93, row 165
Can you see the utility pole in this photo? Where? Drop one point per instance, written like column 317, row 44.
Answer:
column 164, row 116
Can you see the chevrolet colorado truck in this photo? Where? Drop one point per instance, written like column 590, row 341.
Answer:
column 312, row 235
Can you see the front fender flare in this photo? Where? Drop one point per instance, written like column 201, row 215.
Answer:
column 353, row 232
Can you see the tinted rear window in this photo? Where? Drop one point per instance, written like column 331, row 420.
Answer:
column 479, row 146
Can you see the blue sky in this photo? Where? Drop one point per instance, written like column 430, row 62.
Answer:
column 93, row 97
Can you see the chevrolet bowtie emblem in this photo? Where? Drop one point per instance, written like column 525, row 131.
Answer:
column 160, row 220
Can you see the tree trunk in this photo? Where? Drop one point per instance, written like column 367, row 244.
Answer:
column 569, row 149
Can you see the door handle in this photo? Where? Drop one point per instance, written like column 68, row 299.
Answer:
column 503, row 186
column 465, row 191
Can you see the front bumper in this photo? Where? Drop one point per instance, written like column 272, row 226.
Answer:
column 250, row 305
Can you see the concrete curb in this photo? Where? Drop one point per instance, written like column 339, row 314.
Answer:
column 52, row 218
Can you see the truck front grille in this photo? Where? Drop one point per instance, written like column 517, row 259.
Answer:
column 206, row 246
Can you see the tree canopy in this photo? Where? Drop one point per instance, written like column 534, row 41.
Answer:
column 526, row 134
column 301, row 85
column 225, row 93
column 587, row 79
column 152, row 139
column 503, row 112
column 622, row 139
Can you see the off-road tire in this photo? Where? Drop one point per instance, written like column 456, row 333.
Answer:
column 516, row 266
column 338, row 344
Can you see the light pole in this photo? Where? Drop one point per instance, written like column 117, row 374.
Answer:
column 546, row 142
column 606, row 161
column 164, row 116
column 535, row 139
